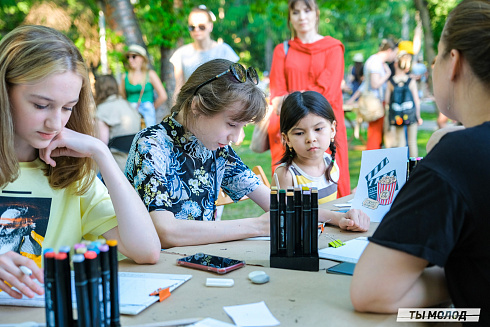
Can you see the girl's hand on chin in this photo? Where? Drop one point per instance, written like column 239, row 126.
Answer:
column 68, row 143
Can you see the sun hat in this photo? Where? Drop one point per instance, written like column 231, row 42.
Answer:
column 358, row 57
column 406, row 46
column 137, row 49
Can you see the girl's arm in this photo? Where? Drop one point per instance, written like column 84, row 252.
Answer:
column 103, row 131
column 416, row 100
column 158, row 87
column 386, row 279
column 177, row 232
column 354, row 220
column 261, row 196
column 135, row 232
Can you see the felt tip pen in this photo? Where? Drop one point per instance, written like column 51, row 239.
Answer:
column 290, row 230
column 298, row 218
column 115, row 320
column 66, row 249
column 49, row 288
column 274, row 221
column 25, row 270
column 306, row 222
column 92, row 271
column 105, row 272
column 63, row 298
column 282, row 220
column 81, row 290
column 314, row 220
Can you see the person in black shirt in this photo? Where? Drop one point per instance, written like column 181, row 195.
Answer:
column 433, row 246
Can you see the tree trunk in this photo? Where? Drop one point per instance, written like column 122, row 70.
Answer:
column 429, row 53
column 121, row 18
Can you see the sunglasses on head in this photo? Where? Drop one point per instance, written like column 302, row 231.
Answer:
column 202, row 27
column 239, row 72
column 131, row 56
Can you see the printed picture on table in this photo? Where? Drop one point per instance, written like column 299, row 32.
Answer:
column 381, row 185
column 23, row 225
column 383, row 173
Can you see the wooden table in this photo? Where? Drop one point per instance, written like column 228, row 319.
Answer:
column 295, row 298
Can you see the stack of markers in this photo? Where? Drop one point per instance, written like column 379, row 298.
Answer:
column 294, row 229
column 96, row 285
column 411, row 164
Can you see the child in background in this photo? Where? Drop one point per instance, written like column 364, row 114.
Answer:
column 404, row 104
column 50, row 196
column 116, row 118
column 308, row 129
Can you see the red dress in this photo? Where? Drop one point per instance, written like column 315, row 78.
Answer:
column 317, row 66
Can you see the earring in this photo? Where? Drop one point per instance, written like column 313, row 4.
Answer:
column 332, row 140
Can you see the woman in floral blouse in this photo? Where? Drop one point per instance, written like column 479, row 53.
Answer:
column 179, row 165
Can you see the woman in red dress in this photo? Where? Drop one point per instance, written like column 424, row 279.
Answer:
column 309, row 61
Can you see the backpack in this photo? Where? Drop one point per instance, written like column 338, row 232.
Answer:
column 402, row 107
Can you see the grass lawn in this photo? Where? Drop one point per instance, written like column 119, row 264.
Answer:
column 248, row 208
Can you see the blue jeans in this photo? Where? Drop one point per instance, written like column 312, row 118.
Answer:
column 147, row 110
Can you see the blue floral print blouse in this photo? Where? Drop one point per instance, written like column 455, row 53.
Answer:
column 172, row 170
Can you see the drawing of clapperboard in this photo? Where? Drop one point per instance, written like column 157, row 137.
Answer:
column 381, row 188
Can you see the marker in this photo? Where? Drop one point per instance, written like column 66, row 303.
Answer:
column 66, row 250
column 81, row 288
column 115, row 322
column 306, row 221
column 290, row 230
column 282, row 220
column 92, row 271
column 49, row 288
column 105, row 272
column 298, row 217
column 314, row 220
column 25, row 270
column 274, row 220
column 63, row 298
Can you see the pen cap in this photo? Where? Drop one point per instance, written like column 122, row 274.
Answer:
column 282, row 197
column 314, row 197
column 274, row 199
column 104, row 257
column 92, row 265
column 49, row 265
column 290, row 201
column 79, row 267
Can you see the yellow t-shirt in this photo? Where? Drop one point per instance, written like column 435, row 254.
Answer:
column 34, row 217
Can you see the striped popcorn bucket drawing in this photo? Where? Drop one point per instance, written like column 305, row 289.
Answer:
column 386, row 190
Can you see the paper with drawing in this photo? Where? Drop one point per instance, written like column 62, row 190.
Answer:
column 383, row 173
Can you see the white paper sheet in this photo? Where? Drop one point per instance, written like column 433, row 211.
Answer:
column 350, row 252
column 376, row 164
column 134, row 290
column 251, row 315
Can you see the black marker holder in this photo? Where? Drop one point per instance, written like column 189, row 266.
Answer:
column 297, row 258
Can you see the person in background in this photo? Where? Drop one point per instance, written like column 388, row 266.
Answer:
column 376, row 73
column 309, row 61
column 356, row 73
column 308, row 127
column 50, row 196
column 140, row 83
column 115, row 116
column 432, row 246
column 179, row 165
column 403, row 103
column 190, row 56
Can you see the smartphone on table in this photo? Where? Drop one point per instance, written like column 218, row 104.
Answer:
column 219, row 265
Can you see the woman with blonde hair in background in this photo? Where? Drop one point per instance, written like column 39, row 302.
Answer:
column 139, row 84
column 203, row 48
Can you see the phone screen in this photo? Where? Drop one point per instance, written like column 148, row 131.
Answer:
column 209, row 262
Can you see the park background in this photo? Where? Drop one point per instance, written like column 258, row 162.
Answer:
column 101, row 29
